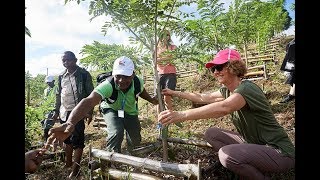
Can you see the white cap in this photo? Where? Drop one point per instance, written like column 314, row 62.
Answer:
column 49, row 79
column 123, row 66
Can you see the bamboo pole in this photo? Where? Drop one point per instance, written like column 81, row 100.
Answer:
column 117, row 174
column 186, row 170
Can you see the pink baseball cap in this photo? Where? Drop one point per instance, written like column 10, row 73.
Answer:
column 224, row 56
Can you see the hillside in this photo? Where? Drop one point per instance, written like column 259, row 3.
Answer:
column 273, row 87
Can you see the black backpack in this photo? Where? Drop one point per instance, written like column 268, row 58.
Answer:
column 108, row 76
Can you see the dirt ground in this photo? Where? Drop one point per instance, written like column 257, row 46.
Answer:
column 178, row 153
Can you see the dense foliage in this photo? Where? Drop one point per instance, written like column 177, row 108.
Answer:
column 203, row 27
column 36, row 107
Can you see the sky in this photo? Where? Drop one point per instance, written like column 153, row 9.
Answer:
column 56, row 28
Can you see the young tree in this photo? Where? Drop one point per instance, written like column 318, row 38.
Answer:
column 101, row 56
column 140, row 18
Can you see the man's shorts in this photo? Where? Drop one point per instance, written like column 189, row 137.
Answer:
column 168, row 81
column 77, row 136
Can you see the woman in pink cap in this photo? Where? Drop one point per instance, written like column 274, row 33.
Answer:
column 260, row 146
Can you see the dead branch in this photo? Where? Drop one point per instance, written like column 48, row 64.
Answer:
column 190, row 141
column 146, row 149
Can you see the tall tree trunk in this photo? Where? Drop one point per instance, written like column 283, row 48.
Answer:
column 163, row 130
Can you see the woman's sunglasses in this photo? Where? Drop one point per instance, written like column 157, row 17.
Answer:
column 218, row 67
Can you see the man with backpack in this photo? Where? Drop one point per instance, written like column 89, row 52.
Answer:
column 120, row 112
column 74, row 84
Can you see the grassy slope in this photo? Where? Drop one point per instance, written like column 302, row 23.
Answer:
column 274, row 88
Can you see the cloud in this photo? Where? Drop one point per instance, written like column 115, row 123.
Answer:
column 56, row 27
column 50, row 63
column 290, row 31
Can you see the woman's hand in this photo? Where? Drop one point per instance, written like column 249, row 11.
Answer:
column 168, row 116
column 168, row 92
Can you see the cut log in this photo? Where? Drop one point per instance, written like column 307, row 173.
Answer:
column 185, row 170
column 117, row 174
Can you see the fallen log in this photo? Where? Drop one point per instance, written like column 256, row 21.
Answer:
column 192, row 171
column 189, row 141
column 117, row 174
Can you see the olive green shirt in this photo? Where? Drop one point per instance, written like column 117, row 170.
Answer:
column 256, row 121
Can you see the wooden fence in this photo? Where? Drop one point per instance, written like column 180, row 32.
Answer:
column 187, row 71
column 257, row 60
